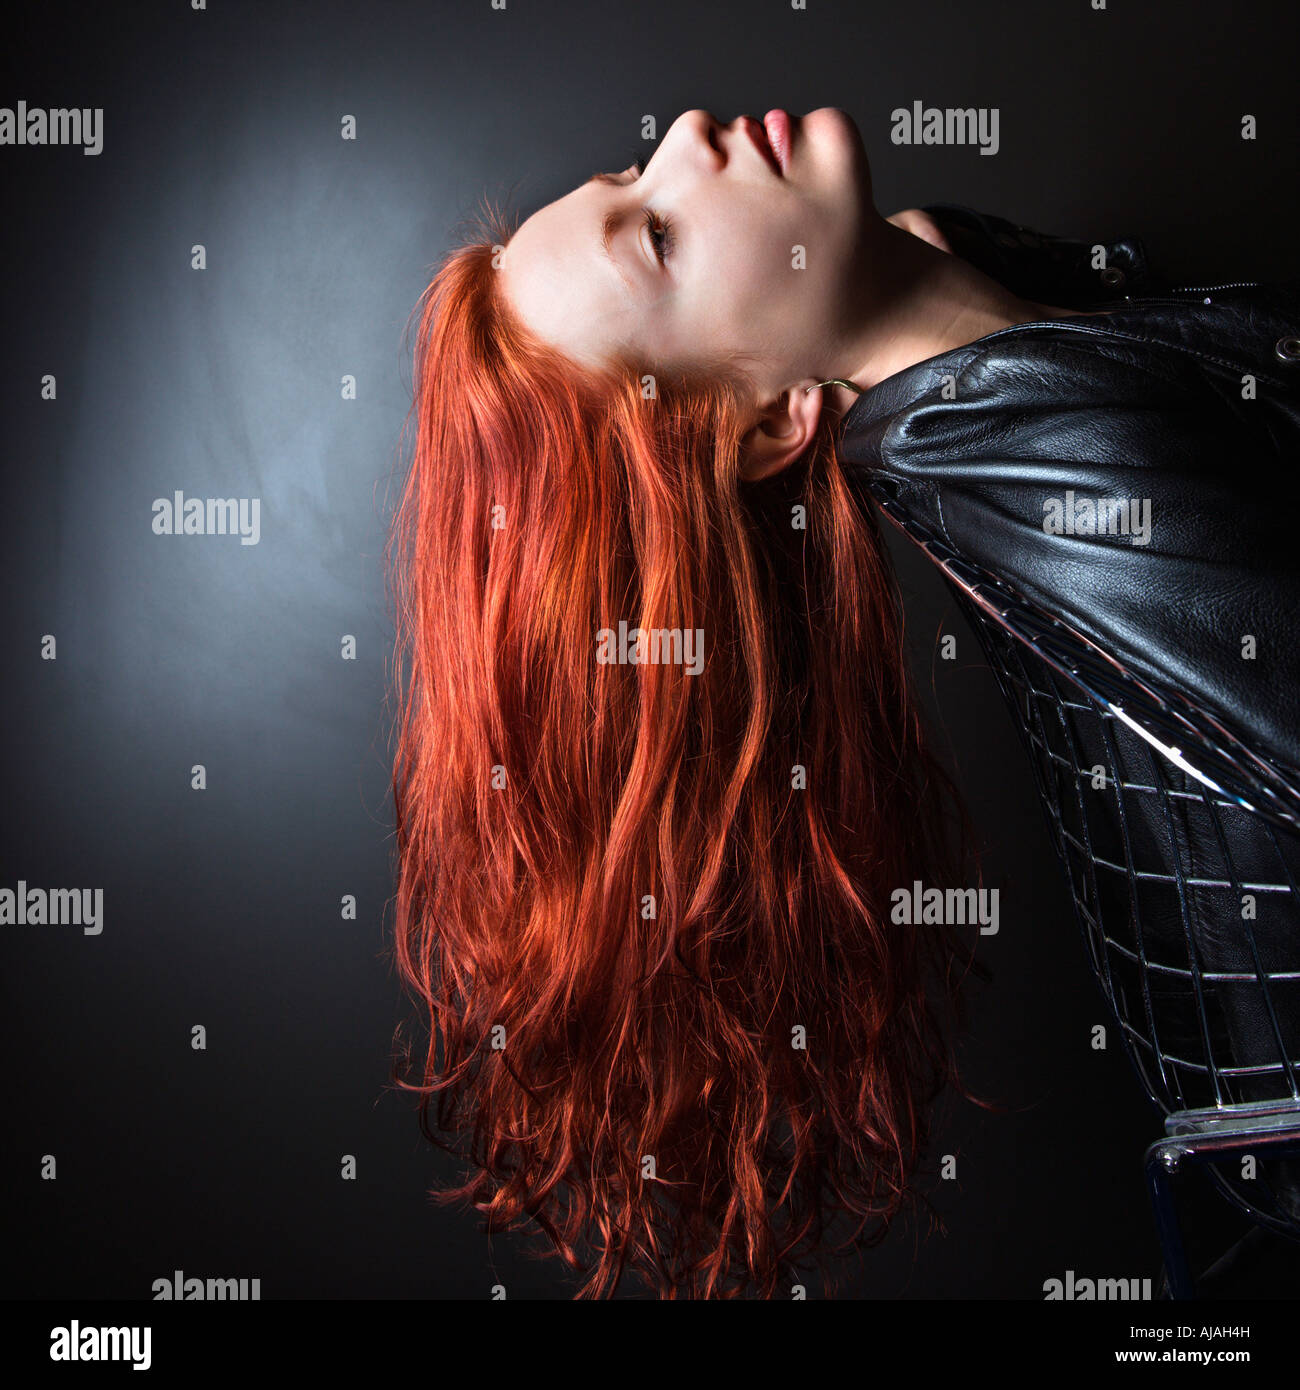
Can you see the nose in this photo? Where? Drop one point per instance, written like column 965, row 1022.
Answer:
column 700, row 138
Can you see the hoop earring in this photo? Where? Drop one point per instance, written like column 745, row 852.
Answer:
column 836, row 381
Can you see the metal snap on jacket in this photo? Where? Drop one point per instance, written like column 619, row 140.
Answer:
column 1288, row 349
column 1112, row 275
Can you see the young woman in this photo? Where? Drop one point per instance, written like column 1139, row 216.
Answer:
column 661, row 775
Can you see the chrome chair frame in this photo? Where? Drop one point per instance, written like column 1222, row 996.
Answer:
column 1150, row 800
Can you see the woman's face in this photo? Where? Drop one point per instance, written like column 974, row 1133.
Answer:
column 713, row 251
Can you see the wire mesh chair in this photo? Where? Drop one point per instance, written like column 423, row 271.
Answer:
column 1181, row 846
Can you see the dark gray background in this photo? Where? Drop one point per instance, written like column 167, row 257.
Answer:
column 222, row 907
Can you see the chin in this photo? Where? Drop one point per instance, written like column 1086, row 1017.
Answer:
column 827, row 123
column 835, row 135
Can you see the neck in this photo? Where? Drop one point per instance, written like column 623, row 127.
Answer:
column 924, row 302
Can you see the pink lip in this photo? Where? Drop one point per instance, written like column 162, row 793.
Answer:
column 758, row 134
column 777, row 126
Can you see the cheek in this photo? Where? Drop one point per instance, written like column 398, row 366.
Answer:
column 758, row 278
column 765, row 271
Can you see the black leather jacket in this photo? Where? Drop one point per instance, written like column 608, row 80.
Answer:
column 1153, row 656
column 1185, row 399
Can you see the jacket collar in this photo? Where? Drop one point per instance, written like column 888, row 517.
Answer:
column 1037, row 266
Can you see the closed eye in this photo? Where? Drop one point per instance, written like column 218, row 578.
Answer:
column 662, row 238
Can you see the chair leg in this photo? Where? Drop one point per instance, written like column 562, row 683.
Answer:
column 1163, row 1160
column 1208, row 1136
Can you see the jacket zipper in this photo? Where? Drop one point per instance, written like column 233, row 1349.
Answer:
column 1204, row 289
column 1093, row 328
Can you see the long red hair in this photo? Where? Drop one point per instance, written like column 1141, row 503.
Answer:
column 646, row 912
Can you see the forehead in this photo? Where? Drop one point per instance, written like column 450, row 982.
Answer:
column 560, row 284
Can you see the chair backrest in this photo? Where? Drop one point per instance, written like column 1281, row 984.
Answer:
column 1181, row 847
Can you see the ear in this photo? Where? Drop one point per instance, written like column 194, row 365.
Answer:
column 784, row 431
